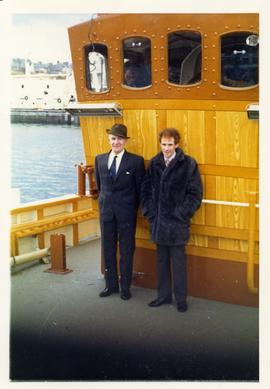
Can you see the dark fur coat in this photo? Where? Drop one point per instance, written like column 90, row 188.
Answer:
column 170, row 196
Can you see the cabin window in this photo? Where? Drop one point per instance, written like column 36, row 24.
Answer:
column 239, row 59
column 97, row 68
column 137, row 62
column 184, row 57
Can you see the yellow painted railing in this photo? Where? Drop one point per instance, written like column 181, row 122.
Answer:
column 75, row 216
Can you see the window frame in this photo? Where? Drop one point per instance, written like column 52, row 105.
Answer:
column 122, row 57
column 87, row 67
column 195, row 84
column 229, row 87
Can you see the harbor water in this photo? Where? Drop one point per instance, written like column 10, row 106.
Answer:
column 43, row 159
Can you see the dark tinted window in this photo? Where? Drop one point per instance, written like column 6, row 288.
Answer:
column 137, row 62
column 97, row 67
column 184, row 57
column 239, row 59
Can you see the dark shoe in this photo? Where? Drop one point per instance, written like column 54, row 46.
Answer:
column 108, row 291
column 125, row 295
column 182, row 307
column 158, row 302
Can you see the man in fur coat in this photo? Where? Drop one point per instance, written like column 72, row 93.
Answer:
column 171, row 193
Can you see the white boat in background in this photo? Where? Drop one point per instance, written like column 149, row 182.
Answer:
column 42, row 91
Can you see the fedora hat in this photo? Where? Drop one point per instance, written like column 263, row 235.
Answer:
column 118, row 130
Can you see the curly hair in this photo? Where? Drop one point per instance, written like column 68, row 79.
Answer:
column 170, row 133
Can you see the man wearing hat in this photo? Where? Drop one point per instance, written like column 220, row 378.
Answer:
column 119, row 175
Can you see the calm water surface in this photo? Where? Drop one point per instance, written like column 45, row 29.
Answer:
column 43, row 159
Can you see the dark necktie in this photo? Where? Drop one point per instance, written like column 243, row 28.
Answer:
column 113, row 168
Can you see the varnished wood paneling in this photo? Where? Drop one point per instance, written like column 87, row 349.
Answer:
column 142, row 129
column 236, row 140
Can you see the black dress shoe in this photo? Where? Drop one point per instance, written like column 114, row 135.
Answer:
column 182, row 307
column 108, row 291
column 158, row 302
column 125, row 295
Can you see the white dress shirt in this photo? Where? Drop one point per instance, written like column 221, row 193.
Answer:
column 118, row 159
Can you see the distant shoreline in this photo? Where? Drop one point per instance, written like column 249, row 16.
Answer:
column 44, row 116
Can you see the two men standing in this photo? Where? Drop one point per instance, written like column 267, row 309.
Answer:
column 170, row 191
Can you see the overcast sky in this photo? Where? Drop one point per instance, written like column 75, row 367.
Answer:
column 43, row 37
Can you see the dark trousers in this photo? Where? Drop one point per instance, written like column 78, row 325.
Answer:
column 112, row 232
column 172, row 259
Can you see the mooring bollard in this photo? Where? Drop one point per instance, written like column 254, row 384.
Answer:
column 58, row 255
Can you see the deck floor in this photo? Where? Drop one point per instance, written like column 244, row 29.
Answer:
column 61, row 330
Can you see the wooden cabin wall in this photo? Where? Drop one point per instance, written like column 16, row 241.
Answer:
column 224, row 143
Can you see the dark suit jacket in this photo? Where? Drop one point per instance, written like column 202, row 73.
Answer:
column 121, row 197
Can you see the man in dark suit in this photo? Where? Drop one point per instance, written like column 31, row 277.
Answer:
column 119, row 175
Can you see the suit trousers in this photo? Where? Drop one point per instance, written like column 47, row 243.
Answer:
column 112, row 232
column 172, row 259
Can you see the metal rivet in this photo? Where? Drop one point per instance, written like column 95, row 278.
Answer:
column 162, row 69
column 153, row 35
column 205, row 69
column 135, row 30
column 205, row 47
column 213, row 45
column 156, row 93
column 213, row 70
column 198, row 28
column 188, row 25
column 205, row 35
column 156, row 82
